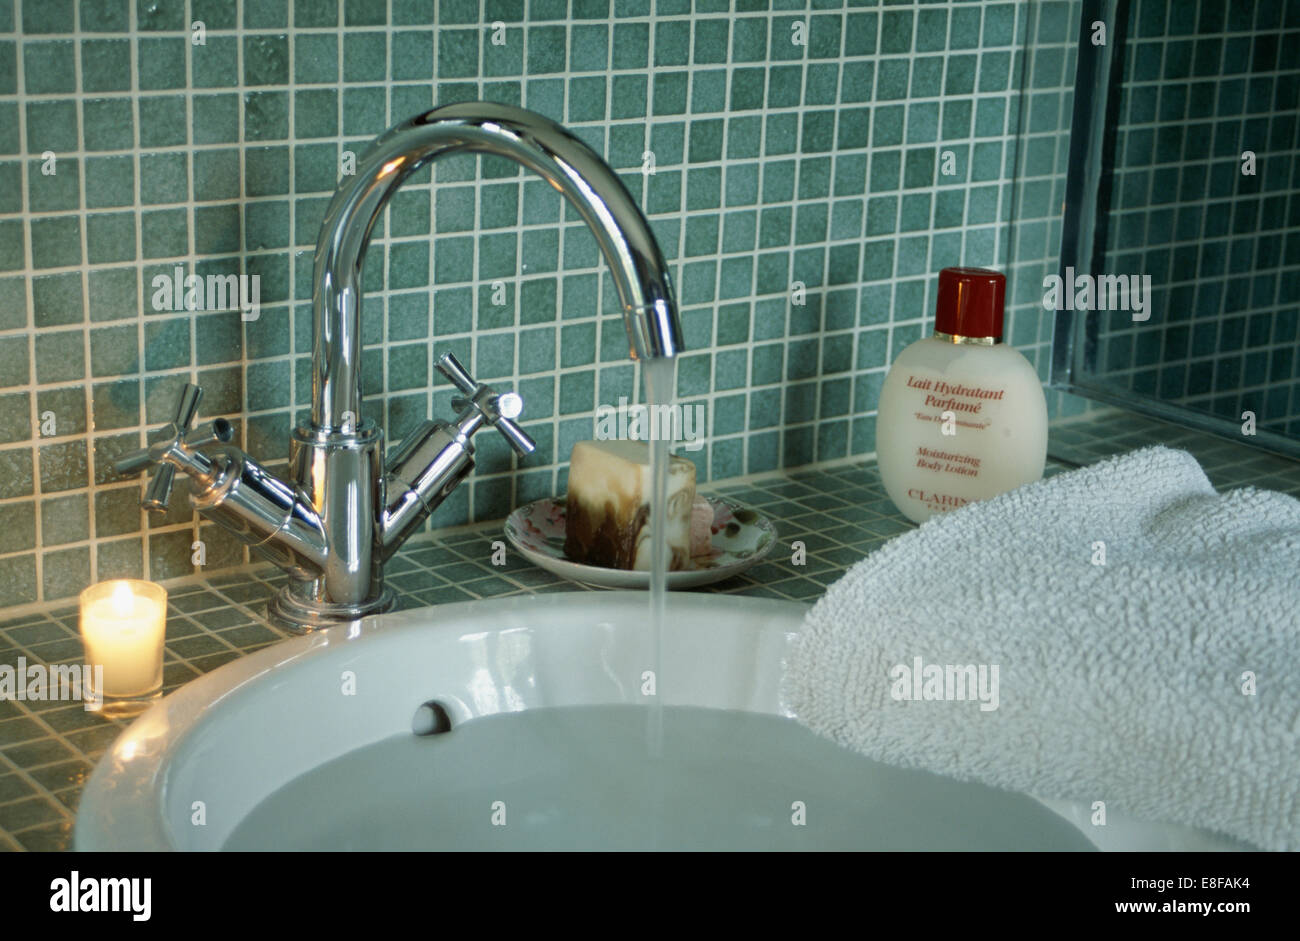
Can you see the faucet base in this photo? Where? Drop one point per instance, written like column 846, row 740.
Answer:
column 292, row 612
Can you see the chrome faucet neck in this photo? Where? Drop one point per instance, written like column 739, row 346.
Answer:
column 640, row 275
column 345, row 510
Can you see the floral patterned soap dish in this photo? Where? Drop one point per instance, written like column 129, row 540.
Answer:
column 741, row 537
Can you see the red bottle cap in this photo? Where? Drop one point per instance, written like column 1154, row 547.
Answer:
column 970, row 303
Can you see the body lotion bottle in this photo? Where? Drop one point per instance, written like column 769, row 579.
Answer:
column 961, row 416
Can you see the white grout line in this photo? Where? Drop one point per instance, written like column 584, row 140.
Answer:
column 763, row 162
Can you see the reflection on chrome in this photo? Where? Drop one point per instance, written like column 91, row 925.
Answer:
column 346, row 512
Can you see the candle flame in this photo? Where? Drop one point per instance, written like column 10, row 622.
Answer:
column 123, row 599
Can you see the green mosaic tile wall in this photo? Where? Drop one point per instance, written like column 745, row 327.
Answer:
column 128, row 148
column 1205, row 81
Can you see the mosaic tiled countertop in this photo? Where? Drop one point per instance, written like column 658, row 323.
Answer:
column 47, row 750
column 840, row 514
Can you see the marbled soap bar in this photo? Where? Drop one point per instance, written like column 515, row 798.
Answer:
column 607, row 519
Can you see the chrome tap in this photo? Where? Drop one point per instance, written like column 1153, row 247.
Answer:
column 343, row 515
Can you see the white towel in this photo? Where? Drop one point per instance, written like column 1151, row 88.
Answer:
column 1165, row 682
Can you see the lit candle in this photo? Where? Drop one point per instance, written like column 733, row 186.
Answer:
column 122, row 625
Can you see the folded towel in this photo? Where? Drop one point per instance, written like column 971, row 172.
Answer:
column 1164, row 682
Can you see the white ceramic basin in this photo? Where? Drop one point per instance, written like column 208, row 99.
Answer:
column 553, row 745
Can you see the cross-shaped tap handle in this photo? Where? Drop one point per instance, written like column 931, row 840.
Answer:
column 178, row 436
column 498, row 410
column 159, row 490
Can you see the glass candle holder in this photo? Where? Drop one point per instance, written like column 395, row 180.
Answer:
column 123, row 623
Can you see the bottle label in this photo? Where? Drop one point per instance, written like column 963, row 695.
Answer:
column 947, row 462
column 958, row 409
column 955, row 396
column 937, row 502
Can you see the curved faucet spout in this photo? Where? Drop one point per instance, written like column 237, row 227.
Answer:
column 621, row 231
